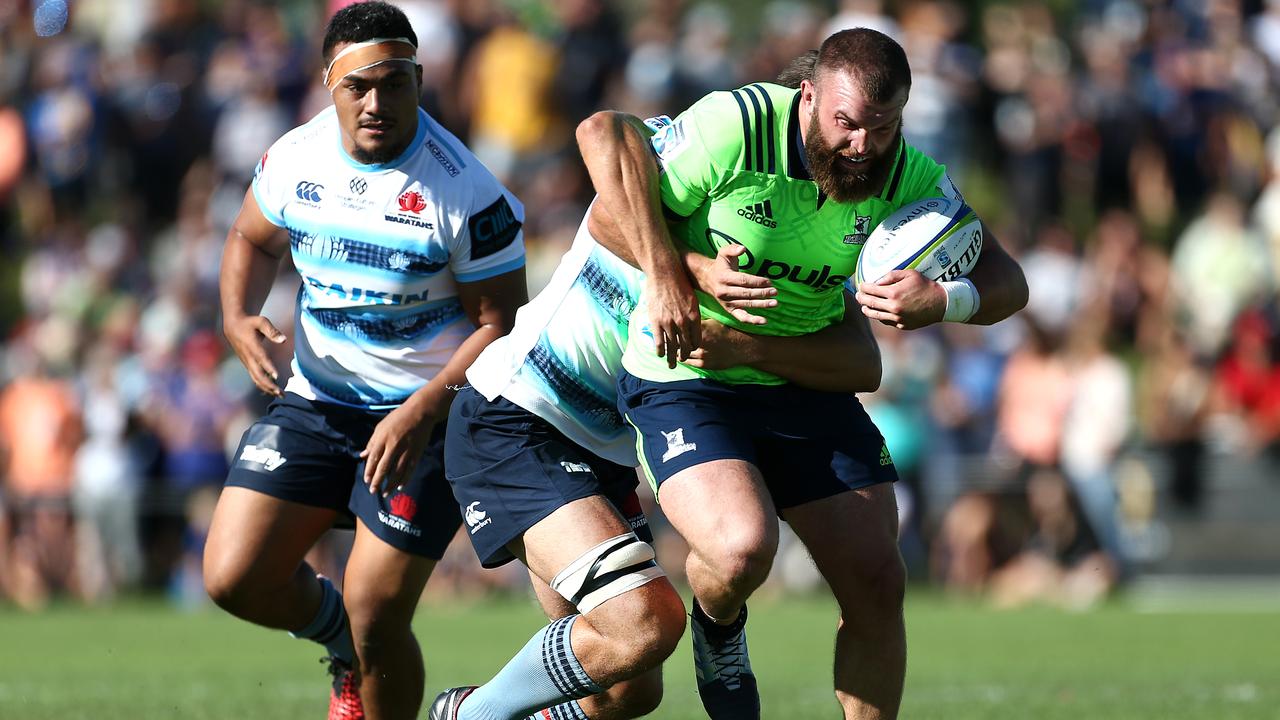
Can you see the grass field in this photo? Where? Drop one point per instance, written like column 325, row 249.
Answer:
column 149, row 661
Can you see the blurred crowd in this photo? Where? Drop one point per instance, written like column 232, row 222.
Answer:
column 1123, row 150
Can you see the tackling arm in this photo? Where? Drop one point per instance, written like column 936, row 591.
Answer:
column 616, row 153
column 841, row 358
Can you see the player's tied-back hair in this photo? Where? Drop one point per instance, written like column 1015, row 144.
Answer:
column 875, row 59
column 364, row 21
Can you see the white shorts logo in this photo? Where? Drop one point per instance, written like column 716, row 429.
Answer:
column 676, row 445
column 574, row 467
column 475, row 517
column 265, row 456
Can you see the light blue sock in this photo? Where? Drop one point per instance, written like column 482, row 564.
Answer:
column 568, row 711
column 329, row 627
column 543, row 674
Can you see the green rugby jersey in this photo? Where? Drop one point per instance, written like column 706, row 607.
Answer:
column 732, row 171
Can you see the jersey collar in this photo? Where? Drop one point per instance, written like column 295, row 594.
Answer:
column 797, row 164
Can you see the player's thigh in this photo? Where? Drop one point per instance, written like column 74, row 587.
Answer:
column 568, row 533
column 721, row 507
column 853, row 539
column 590, row 555
column 255, row 538
column 553, row 605
column 382, row 583
column 289, row 481
column 399, row 539
column 526, row 490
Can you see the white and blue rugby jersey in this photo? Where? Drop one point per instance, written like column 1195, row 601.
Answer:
column 561, row 359
column 380, row 249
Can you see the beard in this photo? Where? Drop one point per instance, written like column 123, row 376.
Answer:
column 378, row 155
column 837, row 180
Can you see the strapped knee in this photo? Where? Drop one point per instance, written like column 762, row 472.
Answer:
column 606, row 571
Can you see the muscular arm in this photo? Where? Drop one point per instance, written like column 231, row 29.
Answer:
column 908, row 300
column 841, row 358
column 627, row 219
column 1000, row 283
column 616, row 153
column 250, row 260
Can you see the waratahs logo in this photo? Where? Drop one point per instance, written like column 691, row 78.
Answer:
column 398, row 261
column 403, row 506
column 410, row 204
column 411, row 201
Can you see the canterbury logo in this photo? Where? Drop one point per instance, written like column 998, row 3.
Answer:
column 475, row 517
column 761, row 212
column 308, row 191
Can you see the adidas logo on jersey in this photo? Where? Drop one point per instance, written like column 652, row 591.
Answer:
column 761, row 212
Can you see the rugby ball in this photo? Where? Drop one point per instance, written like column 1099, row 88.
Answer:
column 940, row 237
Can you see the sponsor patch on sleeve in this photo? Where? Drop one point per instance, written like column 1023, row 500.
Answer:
column 948, row 189
column 670, row 141
column 492, row 229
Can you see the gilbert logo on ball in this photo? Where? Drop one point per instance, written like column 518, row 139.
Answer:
column 939, row 237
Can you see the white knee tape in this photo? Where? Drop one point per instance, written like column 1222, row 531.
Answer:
column 606, row 571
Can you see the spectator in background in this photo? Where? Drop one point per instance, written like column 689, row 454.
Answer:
column 1060, row 563
column 106, row 489
column 190, row 414
column 1096, row 427
column 591, row 57
column 1218, row 268
column 1035, row 394
column 514, row 123
column 1173, row 406
column 1246, row 392
column 39, row 433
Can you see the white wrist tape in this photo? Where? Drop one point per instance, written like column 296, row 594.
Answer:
column 962, row 300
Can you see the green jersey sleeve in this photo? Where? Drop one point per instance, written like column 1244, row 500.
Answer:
column 698, row 152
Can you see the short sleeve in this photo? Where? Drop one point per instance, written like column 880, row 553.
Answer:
column 919, row 177
column 697, row 152
column 491, row 240
column 266, row 185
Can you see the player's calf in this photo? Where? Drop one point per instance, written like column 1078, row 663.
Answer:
column 615, row 583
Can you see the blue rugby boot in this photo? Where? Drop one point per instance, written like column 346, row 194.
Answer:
column 725, row 681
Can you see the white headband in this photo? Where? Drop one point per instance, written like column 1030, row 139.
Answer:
column 364, row 55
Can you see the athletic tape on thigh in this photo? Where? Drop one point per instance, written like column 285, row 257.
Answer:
column 606, row 571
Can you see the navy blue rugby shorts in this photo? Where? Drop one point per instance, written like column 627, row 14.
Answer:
column 510, row 469
column 807, row 444
column 307, row 452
